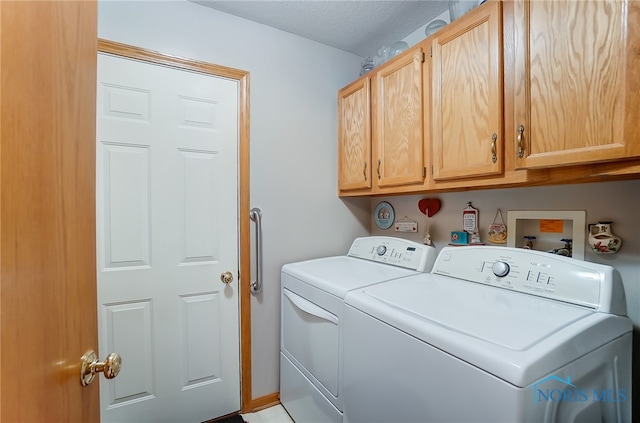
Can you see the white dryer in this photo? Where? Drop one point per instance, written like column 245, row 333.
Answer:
column 492, row 334
column 312, row 310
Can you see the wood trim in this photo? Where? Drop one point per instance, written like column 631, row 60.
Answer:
column 133, row 52
column 1, row 315
column 245, row 250
column 265, row 401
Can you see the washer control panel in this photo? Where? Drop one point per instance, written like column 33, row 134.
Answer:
column 394, row 251
column 534, row 272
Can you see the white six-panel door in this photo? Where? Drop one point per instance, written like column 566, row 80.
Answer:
column 167, row 207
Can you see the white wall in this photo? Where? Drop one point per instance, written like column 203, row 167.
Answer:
column 618, row 202
column 293, row 86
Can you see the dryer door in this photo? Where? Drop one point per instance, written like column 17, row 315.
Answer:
column 311, row 339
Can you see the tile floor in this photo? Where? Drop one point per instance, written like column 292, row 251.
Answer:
column 275, row 414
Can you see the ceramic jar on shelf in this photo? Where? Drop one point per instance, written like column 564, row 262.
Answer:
column 602, row 240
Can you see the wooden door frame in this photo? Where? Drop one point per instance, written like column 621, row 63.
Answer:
column 244, row 280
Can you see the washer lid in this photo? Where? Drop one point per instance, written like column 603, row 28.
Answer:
column 515, row 336
column 340, row 274
column 495, row 315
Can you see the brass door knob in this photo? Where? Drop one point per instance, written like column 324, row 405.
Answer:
column 110, row 367
column 226, row 277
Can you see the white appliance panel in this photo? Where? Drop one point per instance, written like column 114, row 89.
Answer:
column 338, row 275
column 302, row 399
column 507, row 319
column 394, row 251
column 316, row 342
column 391, row 376
column 307, row 311
column 587, row 284
column 449, row 320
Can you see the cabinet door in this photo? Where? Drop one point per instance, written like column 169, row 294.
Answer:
column 467, row 96
column 354, row 136
column 577, row 72
column 398, row 121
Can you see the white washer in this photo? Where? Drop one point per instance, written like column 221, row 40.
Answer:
column 492, row 334
column 313, row 294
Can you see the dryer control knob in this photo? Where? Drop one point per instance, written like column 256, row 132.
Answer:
column 500, row 268
column 381, row 250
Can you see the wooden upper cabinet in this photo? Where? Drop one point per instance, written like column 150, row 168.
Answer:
column 354, row 136
column 397, row 121
column 577, row 82
column 467, row 90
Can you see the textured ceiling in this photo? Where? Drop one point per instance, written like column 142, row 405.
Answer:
column 359, row 27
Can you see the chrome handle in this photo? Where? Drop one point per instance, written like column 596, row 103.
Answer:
column 256, row 216
column 494, row 138
column 379, row 163
column 364, row 171
column 90, row 365
column 226, row 277
column 520, row 139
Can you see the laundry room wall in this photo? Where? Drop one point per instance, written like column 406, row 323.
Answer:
column 293, row 88
column 618, row 202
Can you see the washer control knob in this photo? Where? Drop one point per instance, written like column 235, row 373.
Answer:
column 381, row 250
column 500, row 268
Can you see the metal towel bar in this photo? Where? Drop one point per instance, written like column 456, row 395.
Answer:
column 256, row 216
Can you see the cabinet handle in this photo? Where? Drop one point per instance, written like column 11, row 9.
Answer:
column 520, row 139
column 364, row 171
column 378, row 170
column 494, row 138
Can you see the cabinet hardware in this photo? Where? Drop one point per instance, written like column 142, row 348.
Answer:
column 364, row 171
column 424, row 172
column 422, row 58
column 520, row 139
column 494, row 138
column 379, row 162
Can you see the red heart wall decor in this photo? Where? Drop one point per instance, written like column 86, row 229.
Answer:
column 429, row 206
